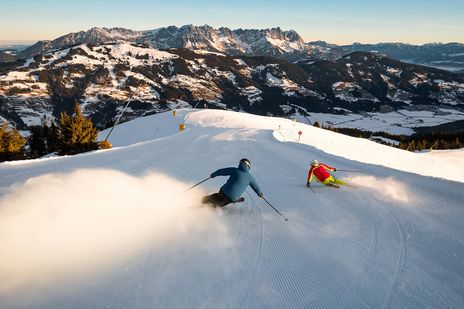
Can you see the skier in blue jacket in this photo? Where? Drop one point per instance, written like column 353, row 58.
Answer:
column 238, row 181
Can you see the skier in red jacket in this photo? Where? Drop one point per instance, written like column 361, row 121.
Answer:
column 320, row 172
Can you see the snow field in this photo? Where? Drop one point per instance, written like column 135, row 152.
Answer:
column 425, row 163
column 393, row 240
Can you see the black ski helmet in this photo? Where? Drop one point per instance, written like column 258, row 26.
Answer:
column 246, row 162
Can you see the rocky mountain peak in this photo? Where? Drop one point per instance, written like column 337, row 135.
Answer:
column 253, row 42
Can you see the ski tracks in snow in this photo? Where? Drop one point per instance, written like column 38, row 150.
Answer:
column 358, row 293
column 355, row 294
column 257, row 259
column 401, row 261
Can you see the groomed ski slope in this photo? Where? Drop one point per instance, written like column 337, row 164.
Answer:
column 112, row 229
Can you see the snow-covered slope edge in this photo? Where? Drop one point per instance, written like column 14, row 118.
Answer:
column 111, row 229
column 447, row 164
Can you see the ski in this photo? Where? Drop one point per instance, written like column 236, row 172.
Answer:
column 212, row 205
column 331, row 186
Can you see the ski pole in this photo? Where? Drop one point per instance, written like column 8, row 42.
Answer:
column 274, row 208
column 351, row 171
column 197, row 184
column 312, row 189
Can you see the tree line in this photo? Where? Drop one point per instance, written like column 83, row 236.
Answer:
column 71, row 135
column 416, row 142
column 435, row 140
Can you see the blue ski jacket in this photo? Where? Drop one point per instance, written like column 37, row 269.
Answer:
column 238, row 181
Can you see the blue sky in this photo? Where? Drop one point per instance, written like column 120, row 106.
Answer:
column 335, row 21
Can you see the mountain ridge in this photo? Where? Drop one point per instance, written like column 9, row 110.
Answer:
column 239, row 41
column 103, row 77
column 273, row 42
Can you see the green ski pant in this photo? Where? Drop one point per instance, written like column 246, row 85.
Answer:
column 332, row 180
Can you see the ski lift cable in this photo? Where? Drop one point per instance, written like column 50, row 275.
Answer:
column 120, row 115
column 188, row 115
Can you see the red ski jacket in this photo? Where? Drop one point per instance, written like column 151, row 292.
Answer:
column 320, row 171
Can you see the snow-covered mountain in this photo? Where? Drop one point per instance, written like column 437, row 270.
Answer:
column 272, row 42
column 94, row 36
column 112, row 229
column 449, row 56
column 268, row 42
column 103, row 77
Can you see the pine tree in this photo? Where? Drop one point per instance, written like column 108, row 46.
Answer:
column 442, row 144
column 76, row 133
column 11, row 143
column 425, row 144
column 419, row 145
column 53, row 143
column 43, row 139
column 457, row 144
column 37, row 142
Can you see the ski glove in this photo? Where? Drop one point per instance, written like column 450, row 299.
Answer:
column 308, row 185
column 335, row 169
column 211, row 176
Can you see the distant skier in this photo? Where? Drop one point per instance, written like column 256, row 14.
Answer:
column 238, row 181
column 320, row 172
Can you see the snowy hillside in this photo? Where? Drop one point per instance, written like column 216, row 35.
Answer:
column 360, row 90
column 113, row 228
